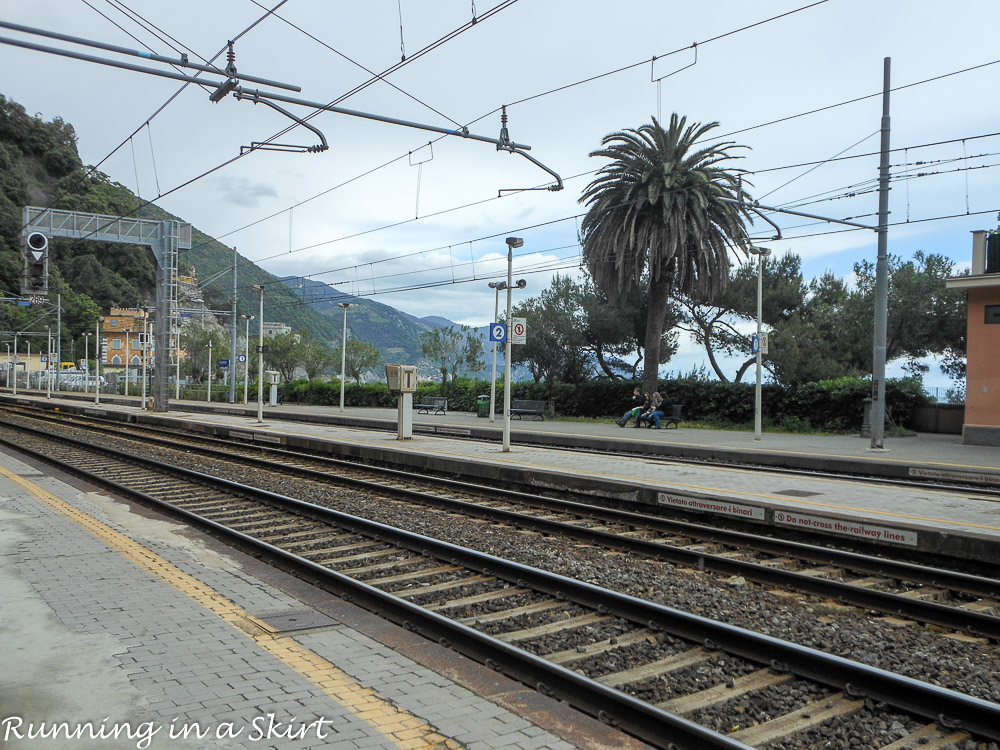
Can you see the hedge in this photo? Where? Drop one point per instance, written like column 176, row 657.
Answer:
column 832, row 405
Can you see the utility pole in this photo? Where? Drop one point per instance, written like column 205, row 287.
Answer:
column 881, row 274
column 232, row 340
column 58, row 338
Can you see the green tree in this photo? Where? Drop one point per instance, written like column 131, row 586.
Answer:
column 286, row 354
column 554, row 350
column 317, row 358
column 716, row 327
column 453, row 350
column 361, row 357
column 656, row 211
column 194, row 342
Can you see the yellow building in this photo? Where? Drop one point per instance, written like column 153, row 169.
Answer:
column 123, row 336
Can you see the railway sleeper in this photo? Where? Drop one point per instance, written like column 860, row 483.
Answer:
column 807, row 717
column 486, row 596
column 929, row 737
column 658, row 668
column 688, row 704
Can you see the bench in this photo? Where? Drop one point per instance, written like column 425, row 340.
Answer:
column 528, row 408
column 674, row 418
column 432, row 403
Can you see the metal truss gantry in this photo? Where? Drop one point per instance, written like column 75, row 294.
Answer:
column 165, row 238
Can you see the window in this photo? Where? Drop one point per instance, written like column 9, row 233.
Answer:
column 116, row 360
column 992, row 314
column 114, row 323
column 116, row 343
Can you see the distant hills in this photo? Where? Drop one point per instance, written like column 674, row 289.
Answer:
column 40, row 165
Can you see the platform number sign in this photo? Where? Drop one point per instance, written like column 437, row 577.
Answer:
column 241, row 358
column 498, row 332
column 519, row 331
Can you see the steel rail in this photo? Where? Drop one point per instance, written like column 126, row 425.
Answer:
column 607, row 704
column 976, row 623
column 949, row 707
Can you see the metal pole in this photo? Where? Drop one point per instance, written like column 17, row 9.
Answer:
column 48, row 362
column 343, row 354
column 97, row 361
column 15, row 363
column 246, row 364
column 128, row 359
column 58, row 338
column 209, row 371
column 493, row 379
column 260, row 358
column 506, row 366
column 145, row 357
column 760, row 294
column 233, row 337
column 86, row 363
column 881, row 274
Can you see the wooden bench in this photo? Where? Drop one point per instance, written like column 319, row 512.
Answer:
column 528, row 408
column 432, row 403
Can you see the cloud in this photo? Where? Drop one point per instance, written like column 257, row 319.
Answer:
column 242, row 192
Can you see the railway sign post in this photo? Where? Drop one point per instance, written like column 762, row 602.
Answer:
column 519, row 331
column 498, row 332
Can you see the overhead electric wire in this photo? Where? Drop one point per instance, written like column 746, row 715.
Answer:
column 149, row 119
column 378, row 76
column 423, row 51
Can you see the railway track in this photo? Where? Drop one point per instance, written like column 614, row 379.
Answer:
column 890, row 476
column 954, row 600
column 666, row 676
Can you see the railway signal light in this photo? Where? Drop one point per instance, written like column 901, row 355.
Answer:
column 35, row 265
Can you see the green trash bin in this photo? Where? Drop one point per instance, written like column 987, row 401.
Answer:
column 482, row 406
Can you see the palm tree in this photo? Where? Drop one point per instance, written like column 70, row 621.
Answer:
column 656, row 211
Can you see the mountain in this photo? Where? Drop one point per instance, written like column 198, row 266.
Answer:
column 40, row 165
column 395, row 333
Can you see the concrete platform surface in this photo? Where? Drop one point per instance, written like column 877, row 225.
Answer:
column 120, row 629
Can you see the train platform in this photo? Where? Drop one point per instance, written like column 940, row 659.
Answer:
column 123, row 629
column 959, row 523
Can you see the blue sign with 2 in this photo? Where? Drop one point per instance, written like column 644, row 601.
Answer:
column 498, row 332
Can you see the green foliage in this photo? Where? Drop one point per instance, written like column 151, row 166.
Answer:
column 360, row 358
column 831, row 406
column 452, row 350
column 654, row 212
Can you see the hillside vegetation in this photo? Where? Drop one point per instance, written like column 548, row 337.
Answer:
column 40, row 166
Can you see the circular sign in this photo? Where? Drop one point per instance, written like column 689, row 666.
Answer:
column 241, row 358
column 498, row 332
column 519, row 329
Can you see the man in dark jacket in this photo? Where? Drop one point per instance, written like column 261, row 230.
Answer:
column 639, row 405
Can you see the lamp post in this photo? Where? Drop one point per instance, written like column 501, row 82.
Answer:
column 512, row 242
column 496, row 286
column 246, row 363
column 48, row 362
column 210, row 370
column 260, row 355
column 86, row 361
column 97, row 360
column 761, row 253
column 15, row 363
column 145, row 356
column 343, row 351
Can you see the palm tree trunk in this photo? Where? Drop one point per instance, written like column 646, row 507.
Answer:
column 659, row 301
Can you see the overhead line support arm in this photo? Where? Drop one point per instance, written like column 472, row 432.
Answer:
column 181, row 61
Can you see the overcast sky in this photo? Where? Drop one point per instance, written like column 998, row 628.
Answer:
column 367, row 227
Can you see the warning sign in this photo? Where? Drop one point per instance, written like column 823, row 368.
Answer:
column 724, row 507
column 854, row 529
